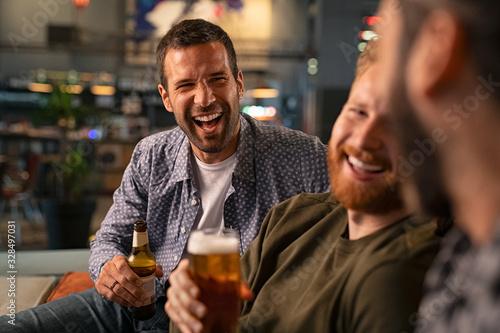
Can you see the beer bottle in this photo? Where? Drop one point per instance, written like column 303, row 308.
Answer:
column 143, row 263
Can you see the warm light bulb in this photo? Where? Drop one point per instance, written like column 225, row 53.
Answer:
column 81, row 4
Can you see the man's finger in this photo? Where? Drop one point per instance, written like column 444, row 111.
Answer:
column 181, row 279
column 178, row 313
column 103, row 286
column 126, row 291
column 159, row 270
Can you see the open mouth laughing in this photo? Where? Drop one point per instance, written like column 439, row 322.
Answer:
column 366, row 170
column 208, row 122
column 363, row 167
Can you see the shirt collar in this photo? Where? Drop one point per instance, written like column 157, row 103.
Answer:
column 245, row 151
column 182, row 165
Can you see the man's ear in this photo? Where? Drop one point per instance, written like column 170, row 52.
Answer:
column 164, row 97
column 241, row 86
column 437, row 56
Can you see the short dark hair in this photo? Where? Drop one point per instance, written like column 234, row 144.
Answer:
column 479, row 18
column 193, row 32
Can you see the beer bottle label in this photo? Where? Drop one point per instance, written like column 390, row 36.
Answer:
column 149, row 287
column 140, row 239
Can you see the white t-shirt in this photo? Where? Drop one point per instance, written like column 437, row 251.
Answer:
column 213, row 182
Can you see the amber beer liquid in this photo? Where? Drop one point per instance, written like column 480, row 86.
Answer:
column 143, row 263
column 215, row 268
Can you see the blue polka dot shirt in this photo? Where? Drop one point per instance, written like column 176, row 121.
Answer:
column 273, row 164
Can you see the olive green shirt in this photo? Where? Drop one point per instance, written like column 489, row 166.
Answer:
column 306, row 277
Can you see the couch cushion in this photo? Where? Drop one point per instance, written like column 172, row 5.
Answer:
column 71, row 282
column 29, row 291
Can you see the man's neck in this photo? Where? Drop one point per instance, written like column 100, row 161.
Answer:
column 361, row 224
column 212, row 158
column 477, row 208
column 472, row 178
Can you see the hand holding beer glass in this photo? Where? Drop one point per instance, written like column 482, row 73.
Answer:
column 215, row 269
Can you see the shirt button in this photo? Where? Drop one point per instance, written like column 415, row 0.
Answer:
column 183, row 230
column 176, row 257
column 193, row 202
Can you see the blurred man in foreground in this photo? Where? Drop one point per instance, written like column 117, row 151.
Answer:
column 351, row 261
column 441, row 66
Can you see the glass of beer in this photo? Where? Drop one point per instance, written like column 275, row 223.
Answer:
column 215, row 268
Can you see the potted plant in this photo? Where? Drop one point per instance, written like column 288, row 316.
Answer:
column 69, row 206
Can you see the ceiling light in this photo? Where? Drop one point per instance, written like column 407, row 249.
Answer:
column 103, row 90
column 40, row 87
column 263, row 93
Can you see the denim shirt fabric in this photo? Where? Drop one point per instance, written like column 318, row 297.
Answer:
column 273, row 164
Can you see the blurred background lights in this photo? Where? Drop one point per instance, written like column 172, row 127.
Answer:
column 71, row 88
column 103, row 90
column 264, row 92
column 93, row 134
column 362, row 46
column 40, row 87
column 313, row 62
column 260, row 112
column 367, row 35
column 312, row 66
column 371, row 20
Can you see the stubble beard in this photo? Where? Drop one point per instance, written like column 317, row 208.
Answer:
column 215, row 143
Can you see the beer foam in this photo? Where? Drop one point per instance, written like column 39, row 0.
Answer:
column 201, row 244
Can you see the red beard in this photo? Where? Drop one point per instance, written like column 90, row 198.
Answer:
column 378, row 196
